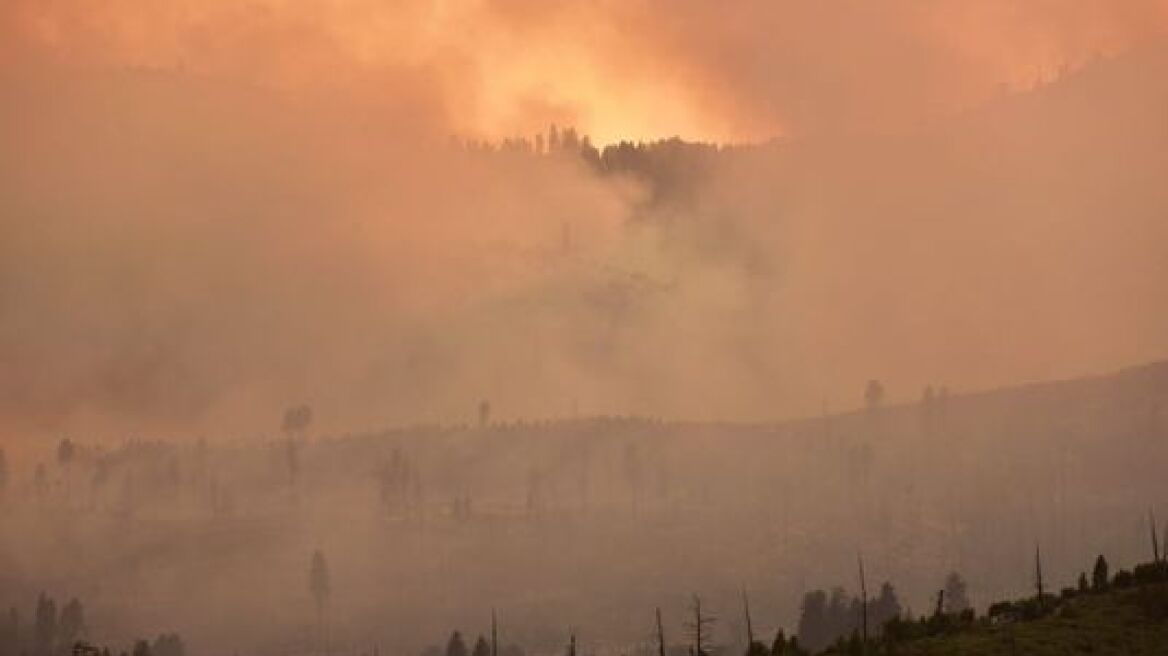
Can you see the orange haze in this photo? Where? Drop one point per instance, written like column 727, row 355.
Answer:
column 212, row 209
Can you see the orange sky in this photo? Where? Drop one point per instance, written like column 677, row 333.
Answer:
column 616, row 68
column 211, row 207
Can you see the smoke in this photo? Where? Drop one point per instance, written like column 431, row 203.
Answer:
column 214, row 209
column 648, row 68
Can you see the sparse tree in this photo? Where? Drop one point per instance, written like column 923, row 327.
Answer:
column 1038, row 577
column 71, row 623
column 553, row 140
column 481, row 648
column 292, row 458
column 814, row 631
column 320, row 587
column 928, row 407
column 956, row 599
column 779, row 646
column 65, row 453
column 699, row 628
column 3, row 473
column 1100, row 576
column 886, row 606
column 296, row 420
column 40, row 481
column 169, row 644
column 660, row 634
column 484, row 413
column 455, row 646
column 863, row 601
column 753, row 648
column 873, row 394
column 1155, row 537
column 45, row 627
column 10, row 637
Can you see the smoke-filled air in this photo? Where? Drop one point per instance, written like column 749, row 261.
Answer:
column 583, row 328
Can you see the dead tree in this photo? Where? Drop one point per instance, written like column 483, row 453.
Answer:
column 660, row 634
column 1038, row 575
column 1155, row 538
column 863, row 602
column 698, row 629
column 494, row 634
column 749, row 627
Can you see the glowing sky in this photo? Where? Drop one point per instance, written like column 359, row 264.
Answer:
column 615, row 68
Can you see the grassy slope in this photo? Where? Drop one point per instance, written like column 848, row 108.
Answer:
column 1112, row 623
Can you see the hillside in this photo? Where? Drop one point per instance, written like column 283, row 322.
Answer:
column 1128, row 621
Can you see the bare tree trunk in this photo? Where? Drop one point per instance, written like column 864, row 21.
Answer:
column 494, row 634
column 863, row 602
column 1155, row 538
column 697, row 649
column 749, row 627
column 320, row 626
column 1038, row 574
column 660, row 634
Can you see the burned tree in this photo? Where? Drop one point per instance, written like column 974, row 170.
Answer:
column 863, row 602
column 660, row 634
column 1038, row 576
column 1155, row 537
column 699, row 628
column 320, row 588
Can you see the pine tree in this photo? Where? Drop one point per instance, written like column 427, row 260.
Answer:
column 1100, row 576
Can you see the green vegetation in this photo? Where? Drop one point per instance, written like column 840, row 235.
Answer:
column 1128, row 615
column 1130, row 621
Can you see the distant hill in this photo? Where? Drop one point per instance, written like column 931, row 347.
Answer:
column 1128, row 622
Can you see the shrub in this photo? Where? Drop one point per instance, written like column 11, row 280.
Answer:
column 1123, row 579
column 1150, row 573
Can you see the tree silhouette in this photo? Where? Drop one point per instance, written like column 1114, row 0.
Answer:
column 297, row 419
column 3, row 473
column 71, row 624
column 456, row 647
column 660, row 634
column 779, row 646
column 553, row 140
column 65, row 453
column 1038, row 576
column 886, row 606
column 698, row 629
column 484, row 413
column 1100, row 575
column 169, row 644
column 813, row 629
column 956, row 599
column 45, row 627
column 481, row 647
column 1155, row 537
column 863, row 601
column 873, row 394
column 320, row 587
